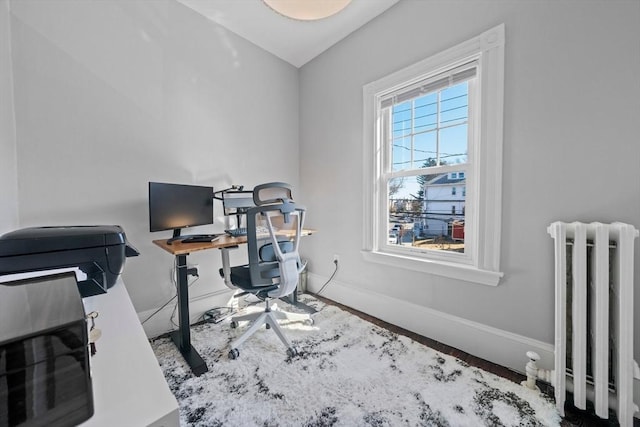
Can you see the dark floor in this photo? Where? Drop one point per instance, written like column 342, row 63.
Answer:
column 573, row 416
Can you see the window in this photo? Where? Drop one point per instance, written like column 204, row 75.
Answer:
column 426, row 127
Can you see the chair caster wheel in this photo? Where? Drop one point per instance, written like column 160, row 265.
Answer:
column 233, row 324
column 267, row 326
column 310, row 321
column 234, row 353
column 292, row 352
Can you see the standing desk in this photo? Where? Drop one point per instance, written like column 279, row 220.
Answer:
column 182, row 336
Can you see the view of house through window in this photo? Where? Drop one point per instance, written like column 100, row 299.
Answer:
column 428, row 140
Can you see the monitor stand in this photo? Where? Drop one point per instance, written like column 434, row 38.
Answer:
column 176, row 236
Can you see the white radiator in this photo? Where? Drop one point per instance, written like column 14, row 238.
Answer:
column 594, row 317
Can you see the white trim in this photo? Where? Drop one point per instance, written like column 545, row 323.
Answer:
column 495, row 345
column 490, row 156
column 452, row 270
column 483, row 174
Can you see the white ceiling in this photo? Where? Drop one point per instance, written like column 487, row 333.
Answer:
column 297, row 42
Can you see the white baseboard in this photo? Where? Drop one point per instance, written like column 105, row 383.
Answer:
column 489, row 343
column 495, row 345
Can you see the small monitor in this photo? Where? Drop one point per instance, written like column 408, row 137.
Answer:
column 177, row 206
column 237, row 202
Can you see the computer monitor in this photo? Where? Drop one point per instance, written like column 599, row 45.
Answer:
column 177, row 206
column 237, row 202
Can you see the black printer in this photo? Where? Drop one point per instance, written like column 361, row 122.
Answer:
column 98, row 250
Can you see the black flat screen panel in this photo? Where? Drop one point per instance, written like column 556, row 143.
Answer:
column 176, row 206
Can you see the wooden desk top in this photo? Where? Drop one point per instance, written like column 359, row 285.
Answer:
column 224, row 241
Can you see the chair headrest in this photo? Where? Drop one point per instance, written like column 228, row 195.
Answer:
column 272, row 192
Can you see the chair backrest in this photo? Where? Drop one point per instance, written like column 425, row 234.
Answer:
column 274, row 228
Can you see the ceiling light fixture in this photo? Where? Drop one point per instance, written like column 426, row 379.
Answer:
column 307, row 10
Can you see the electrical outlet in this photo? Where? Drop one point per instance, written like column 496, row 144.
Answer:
column 336, row 258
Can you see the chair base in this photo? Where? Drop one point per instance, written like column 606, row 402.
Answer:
column 268, row 317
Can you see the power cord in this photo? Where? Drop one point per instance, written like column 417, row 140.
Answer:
column 175, row 285
column 173, row 313
column 335, row 261
column 158, row 310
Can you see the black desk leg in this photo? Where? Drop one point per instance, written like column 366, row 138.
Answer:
column 182, row 337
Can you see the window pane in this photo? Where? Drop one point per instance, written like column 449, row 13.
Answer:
column 401, row 155
column 405, row 207
column 426, row 213
column 432, row 126
column 401, row 119
column 444, row 214
column 424, row 147
column 453, row 144
column 401, row 134
column 426, row 113
column 454, row 105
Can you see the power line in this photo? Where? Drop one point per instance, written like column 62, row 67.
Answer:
column 417, row 150
column 432, row 114
column 426, row 105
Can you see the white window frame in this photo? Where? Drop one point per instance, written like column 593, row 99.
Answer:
column 481, row 260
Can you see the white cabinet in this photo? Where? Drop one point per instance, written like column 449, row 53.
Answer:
column 129, row 388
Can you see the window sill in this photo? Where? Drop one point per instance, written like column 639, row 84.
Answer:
column 439, row 268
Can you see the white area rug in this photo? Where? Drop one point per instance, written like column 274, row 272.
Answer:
column 348, row 372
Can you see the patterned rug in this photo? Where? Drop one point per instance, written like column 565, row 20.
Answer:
column 348, row 372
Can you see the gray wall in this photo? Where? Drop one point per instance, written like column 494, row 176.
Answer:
column 8, row 167
column 111, row 95
column 571, row 148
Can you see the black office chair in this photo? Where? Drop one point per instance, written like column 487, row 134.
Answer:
column 274, row 228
